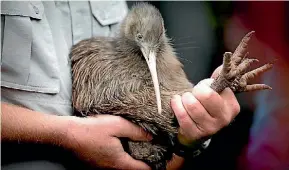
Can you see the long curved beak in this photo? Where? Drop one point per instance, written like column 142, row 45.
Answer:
column 150, row 57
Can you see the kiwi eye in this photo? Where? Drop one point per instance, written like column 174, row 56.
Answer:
column 139, row 36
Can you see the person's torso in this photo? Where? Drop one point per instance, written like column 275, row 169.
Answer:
column 35, row 44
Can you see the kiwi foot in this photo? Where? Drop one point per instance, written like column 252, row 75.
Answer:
column 234, row 72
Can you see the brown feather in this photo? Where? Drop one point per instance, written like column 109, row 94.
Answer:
column 110, row 76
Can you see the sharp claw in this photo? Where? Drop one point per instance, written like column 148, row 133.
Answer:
column 242, row 48
column 255, row 87
column 247, row 62
column 254, row 73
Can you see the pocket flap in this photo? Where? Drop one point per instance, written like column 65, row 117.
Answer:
column 29, row 9
column 109, row 12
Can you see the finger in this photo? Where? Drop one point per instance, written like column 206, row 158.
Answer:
column 210, row 99
column 231, row 104
column 124, row 128
column 197, row 112
column 125, row 161
column 182, row 116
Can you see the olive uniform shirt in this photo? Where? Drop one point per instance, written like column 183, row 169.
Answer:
column 36, row 40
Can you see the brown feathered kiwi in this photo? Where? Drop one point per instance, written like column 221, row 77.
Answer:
column 122, row 75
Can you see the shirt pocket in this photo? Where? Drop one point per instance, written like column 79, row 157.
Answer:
column 107, row 16
column 28, row 58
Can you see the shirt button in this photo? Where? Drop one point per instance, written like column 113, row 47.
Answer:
column 36, row 9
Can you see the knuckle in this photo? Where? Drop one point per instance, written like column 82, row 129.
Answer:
column 236, row 108
column 226, row 120
column 222, row 121
column 211, row 128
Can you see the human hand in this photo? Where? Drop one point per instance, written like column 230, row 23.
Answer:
column 203, row 112
column 95, row 141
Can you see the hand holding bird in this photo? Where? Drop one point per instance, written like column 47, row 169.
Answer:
column 135, row 75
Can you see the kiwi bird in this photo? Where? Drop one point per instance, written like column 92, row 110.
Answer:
column 135, row 74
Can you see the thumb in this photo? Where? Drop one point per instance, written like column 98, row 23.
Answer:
column 128, row 163
column 127, row 129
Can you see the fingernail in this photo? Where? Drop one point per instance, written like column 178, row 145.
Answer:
column 189, row 97
column 187, row 94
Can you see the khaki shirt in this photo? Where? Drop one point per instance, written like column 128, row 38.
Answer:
column 35, row 41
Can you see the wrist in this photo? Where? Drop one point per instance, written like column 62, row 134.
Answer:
column 73, row 128
column 65, row 133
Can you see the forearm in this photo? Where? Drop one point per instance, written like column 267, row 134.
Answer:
column 24, row 125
